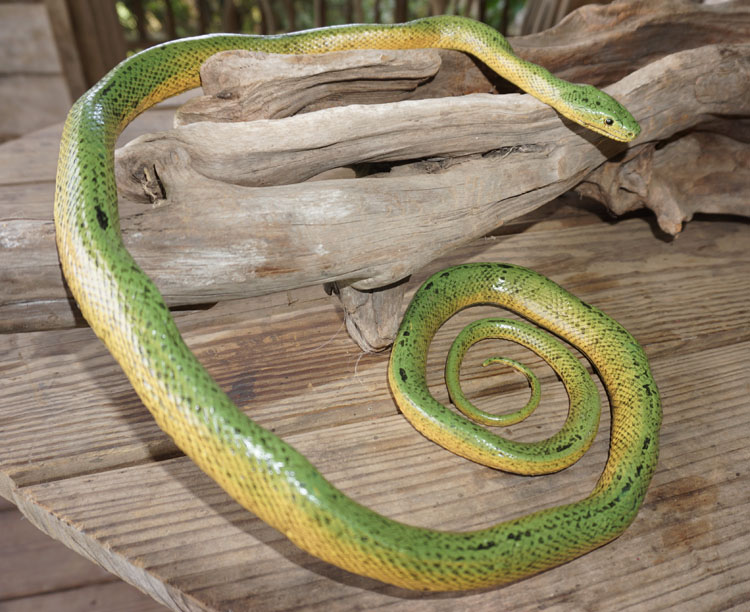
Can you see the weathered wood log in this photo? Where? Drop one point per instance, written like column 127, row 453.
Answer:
column 450, row 169
column 493, row 166
column 602, row 44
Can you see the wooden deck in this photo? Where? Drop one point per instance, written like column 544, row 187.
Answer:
column 85, row 463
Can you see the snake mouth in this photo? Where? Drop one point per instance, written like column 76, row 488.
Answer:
column 615, row 134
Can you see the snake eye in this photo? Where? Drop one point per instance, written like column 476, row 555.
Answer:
column 609, row 121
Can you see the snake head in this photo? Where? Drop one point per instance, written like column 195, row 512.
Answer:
column 598, row 111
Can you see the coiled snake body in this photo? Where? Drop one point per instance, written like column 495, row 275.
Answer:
column 258, row 469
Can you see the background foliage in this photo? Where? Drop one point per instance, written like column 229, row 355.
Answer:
column 149, row 21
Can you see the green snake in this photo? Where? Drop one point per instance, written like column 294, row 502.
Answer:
column 266, row 475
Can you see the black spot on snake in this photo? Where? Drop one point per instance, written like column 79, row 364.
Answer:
column 101, row 217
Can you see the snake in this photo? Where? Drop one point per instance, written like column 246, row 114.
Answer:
column 268, row 476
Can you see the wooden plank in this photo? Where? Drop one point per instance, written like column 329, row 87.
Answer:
column 111, row 596
column 158, row 522
column 21, row 549
column 33, row 91
column 40, row 574
column 687, row 550
column 31, row 158
column 646, row 293
column 45, row 101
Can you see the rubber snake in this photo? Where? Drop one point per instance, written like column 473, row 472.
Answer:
column 260, row 471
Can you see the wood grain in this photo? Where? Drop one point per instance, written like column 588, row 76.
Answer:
column 246, row 86
column 111, row 596
column 22, row 547
column 75, row 439
column 39, row 574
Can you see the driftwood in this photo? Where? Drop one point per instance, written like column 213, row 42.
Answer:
column 698, row 173
column 229, row 215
